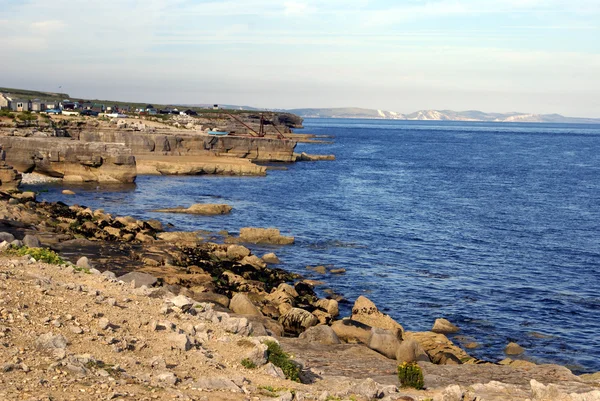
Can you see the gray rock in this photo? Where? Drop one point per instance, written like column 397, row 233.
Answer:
column 84, row 263
column 241, row 304
column 139, row 279
column 320, row 334
column 271, row 258
column 383, row 341
column 4, row 246
column 257, row 355
column 17, row 243
column 287, row 396
column 103, row 323
column 109, row 275
column 297, row 320
column 237, row 252
column 8, row 237
column 216, row 383
column 444, row 326
column 368, row 388
column 31, row 241
column 411, row 351
column 167, row 378
column 180, row 341
column 95, row 271
column 274, row 371
column 50, row 341
column 181, row 301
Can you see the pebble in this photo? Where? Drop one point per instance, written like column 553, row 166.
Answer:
column 103, row 323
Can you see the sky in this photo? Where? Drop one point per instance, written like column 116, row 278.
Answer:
column 536, row 56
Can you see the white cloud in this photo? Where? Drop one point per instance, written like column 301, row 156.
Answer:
column 47, row 26
column 295, row 8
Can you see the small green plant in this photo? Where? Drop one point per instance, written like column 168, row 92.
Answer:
column 279, row 358
column 411, row 375
column 5, row 113
column 248, row 364
column 27, row 116
column 41, row 255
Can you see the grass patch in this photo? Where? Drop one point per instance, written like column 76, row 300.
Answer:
column 248, row 364
column 411, row 375
column 41, row 255
column 279, row 358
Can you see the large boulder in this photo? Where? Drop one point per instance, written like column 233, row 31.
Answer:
column 242, row 305
column 320, row 334
column 31, row 241
column 513, row 349
column 329, row 305
column 439, row 348
column 386, row 342
column 411, row 351
column 365, row 311
column 351, row 331
column 237, row 252
column 205, row 209
column 297, row 320
column 139, row 279
column 10, row 179
column 444, row 326
column 264, row 236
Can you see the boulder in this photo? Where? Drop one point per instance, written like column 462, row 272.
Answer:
column 84, row 263
column 297, row 320
column 253, row 260
column 237, row 252
column 320, row 334
column 411, row 351
column 365, row 311
column 264, row 236
column 68, row 192
column 386, row 342
column 155, row 225
column 257, row 355
column 351, row 331
column 139, row 279
column 8, row 237
column 212, row 297
column 439, row 347
column 271, row 258
column 31, row 241
column 242, row 305
column 444, row 326
column 329, row 305
column 205, row 209
column 513, row 349
column 10, row 178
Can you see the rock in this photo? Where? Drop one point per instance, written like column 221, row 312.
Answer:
column 367, row 388
column 109, row 274
column 139, row 279
column 286, row 396
column 384, row 341
column 51, row 342
column 104, row 323
column 212, row 297
column 439, row 347
column 4, row 246
column 253, row 260
column 331, row 306
column 142, row 237
column 444, row 326
column 31, row 241
column 167, row 378
column 411, row 351
column 8, row 237
column 155, row 224
column 17, row 243
column 257, row 355
column 351, row 331
column 237, row 252
column 68, row 192
column 297, row 320
column 216, row 383
column 264, row 236
column 181, row 301
column 84, row 263
column 452, row 393
column 269, row 258
column 205, row 209
column 241, row 304
column 274, row 371
column 320, row 334
column 366, row 312
column 179, row 341
column 513, row 349
column 10, row 178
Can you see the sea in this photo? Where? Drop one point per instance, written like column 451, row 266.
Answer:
column 493, row 226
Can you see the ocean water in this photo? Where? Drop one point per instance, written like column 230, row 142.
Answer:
column 493, row 226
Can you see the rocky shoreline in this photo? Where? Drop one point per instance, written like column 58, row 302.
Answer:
column 214, row 296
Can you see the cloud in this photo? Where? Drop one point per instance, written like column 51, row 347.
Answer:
column 295, row 8
column 47, row 26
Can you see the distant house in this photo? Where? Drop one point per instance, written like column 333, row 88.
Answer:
column 51, row 105
column 189, row 112
column 112, row 109
column 124, row 109
column 20, row 105
column 4, row 102
column 165, row 111
column 68, row 105
column 38, row 105
column 87, row 105
column 215, row 107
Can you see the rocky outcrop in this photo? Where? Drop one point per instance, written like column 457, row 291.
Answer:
column 10, row 179
column 444, row 326
column 71, row 160
column 196, row 165
column 205, row 209
column 305, row 157
column 264, row 236
column 365, row 311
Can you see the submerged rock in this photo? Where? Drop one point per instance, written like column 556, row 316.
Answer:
column 206, row 209
column 264, row 236
column 444, row 326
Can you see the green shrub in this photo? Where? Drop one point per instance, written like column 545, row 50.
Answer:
column 27, row 116
column 5, row 113
column 279, row 358
column 411, row 375
column 41, row 255
column 247, row 363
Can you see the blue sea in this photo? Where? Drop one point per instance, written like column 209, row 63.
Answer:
column 493, row 226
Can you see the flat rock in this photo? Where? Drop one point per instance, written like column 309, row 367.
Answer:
column 444, row 326
column 206, row 209
column 365, row 311
column 321, row 334
column 264, row 236
column 139, row 279
column 216, row 383
column 242, row 305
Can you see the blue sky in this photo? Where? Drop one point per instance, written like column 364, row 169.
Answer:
column 539, row 56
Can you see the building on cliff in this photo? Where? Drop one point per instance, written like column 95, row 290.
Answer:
column 4, row 101
column 20, row 105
